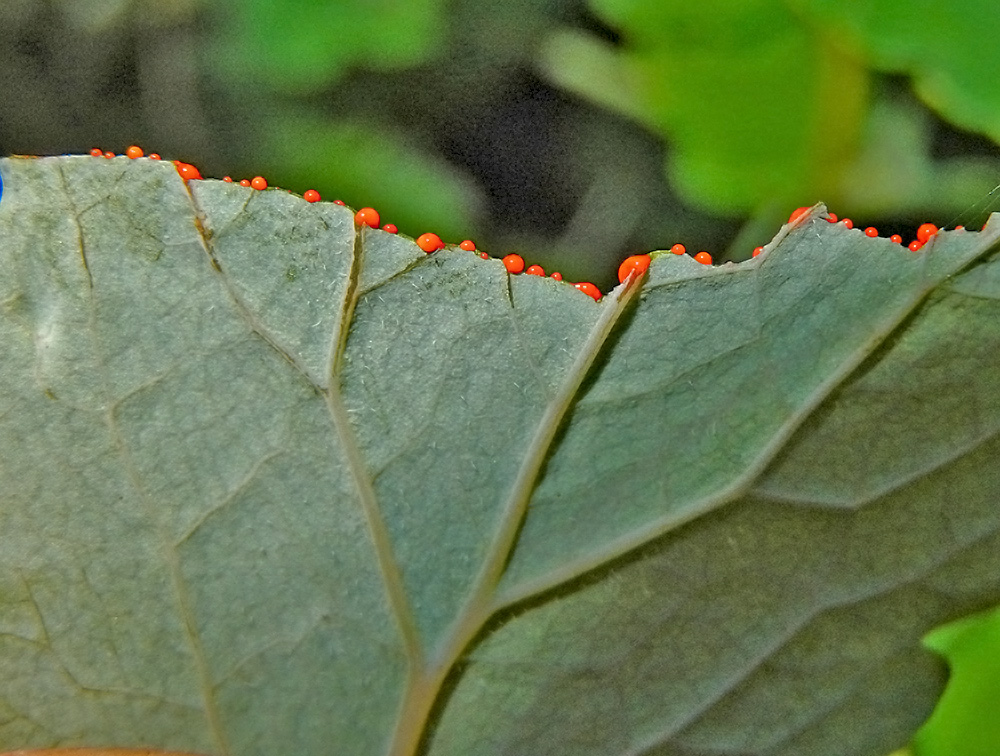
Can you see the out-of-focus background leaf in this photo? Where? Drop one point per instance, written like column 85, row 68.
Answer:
column 965, row 720
column 571, row 131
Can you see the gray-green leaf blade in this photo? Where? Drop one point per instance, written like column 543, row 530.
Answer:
column 262, row 464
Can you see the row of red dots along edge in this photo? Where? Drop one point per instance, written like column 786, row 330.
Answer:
column 429, row 242
column 369, row 216
column 924, row 231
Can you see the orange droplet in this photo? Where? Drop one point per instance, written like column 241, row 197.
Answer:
column 589, row 289
column 514, row 263
column 757, row 251
column 259, row 183
column 798, row 213
column 187, row 171
column 468, row 245
column 134, row 152
column 367, row 216
column 634, row 263
column 871, row 232
column 704, row 258
column 535, row 270
column 678, row 249
column 925, row 231
column 311, row 195
column 429, row 242
column 556, row 275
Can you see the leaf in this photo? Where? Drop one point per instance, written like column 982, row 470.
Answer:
column 897, row 174
column 271, row 484
column 757, row 105
column 413, row 189
column 951, row 60
column 305, row 46
column 960, row 723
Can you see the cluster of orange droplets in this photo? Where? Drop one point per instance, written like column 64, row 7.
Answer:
column 638, row 264
column 924, row 231
column 512, row 263
column 369, row 216
column 132, row 152
column 430, row 242
column 633, row 266
column 188, row 171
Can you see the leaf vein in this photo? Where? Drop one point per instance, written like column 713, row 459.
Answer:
column 741, row 483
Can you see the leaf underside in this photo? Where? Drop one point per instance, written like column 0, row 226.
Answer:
column 270, row 483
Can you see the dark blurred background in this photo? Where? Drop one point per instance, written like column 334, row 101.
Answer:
column 574, row 132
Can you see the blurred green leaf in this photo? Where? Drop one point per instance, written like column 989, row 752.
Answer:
column 758, row 106
column 965, row 722
column 581, row 63
column 272, row 482
column 896, row 175
column 949, row 49
column 369, row 166
column 305, row 45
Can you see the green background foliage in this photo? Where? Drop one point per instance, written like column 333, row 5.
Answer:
column 572, row 132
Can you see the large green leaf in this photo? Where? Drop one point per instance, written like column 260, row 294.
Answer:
column 756, row 104
column 948, row 48
column 304, row 45
column 964, row 721
column 270, row 484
